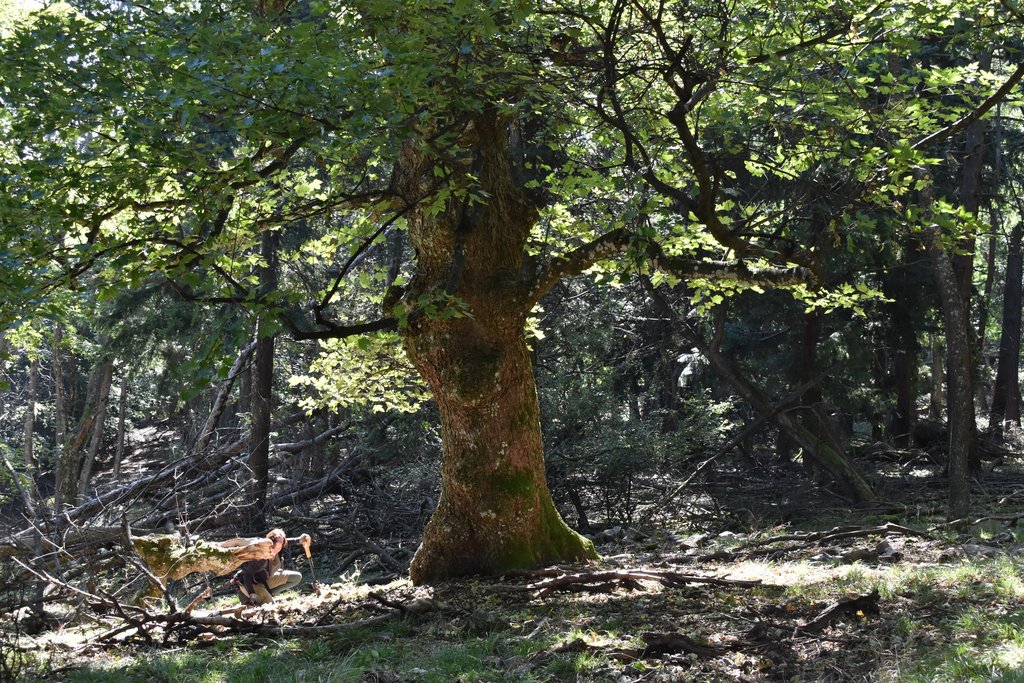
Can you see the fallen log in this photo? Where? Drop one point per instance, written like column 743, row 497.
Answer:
column 168, row 558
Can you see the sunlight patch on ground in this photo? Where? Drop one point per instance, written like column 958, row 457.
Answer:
column 795, row 573
column 1009, row 655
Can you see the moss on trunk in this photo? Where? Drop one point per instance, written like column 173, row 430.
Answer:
column 495, row 512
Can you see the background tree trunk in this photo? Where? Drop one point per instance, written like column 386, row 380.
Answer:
column 30, row 413
column 813, row 411
column 122, row 410
column 937, row 403
column 61, row 465
column 959, row 374
column 100, row 402
column 1005, row 407
column 223, row 394
column 262, row 395
column 828, row 457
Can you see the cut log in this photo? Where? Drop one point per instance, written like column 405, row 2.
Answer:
column 170, row 559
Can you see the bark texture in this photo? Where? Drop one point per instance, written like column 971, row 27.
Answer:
column 495, row 512
column 262, row 394
column 959, row 375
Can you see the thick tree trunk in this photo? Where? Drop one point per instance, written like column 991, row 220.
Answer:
column 1005, row 407
column 495, row 512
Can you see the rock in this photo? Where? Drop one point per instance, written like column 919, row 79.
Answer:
column 607, row 535
column 859, row 555
column 692, row 541
column 886, row 553
column 979, row 550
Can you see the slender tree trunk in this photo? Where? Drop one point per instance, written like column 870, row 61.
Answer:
column 821, row 453
column 223, row 394
column 1005, row 407
column 986, row 297
column 122, row 411
column 30, row 413
column 813, row 412
column 99, row 407
column 963, row 262
column 936, row 403
column 60, row 422
column 824, row 455
column 901, row 421
column 262, row 395
column 959, row 374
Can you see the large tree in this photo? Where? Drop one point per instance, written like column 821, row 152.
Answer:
column 516, row 143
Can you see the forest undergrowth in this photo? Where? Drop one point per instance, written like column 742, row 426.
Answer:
column 706, row 589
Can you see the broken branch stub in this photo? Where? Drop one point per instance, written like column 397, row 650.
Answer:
column 169, row 559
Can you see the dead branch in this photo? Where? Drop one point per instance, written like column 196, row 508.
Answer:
column 851, row 604
column 809, row 540
column 299, row 446
column 597, row 581
column 656, row 645
column 676, row 643
column 204, row 595
column 385, row 557
column 221, row 402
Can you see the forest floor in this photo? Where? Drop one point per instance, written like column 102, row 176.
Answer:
column 890, row 593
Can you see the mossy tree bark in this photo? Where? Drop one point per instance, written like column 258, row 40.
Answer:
column 495, row 512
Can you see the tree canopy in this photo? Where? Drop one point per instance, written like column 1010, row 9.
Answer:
column 268, row 160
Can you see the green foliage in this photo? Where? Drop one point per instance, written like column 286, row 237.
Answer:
column 614, row 416
column 369, row 372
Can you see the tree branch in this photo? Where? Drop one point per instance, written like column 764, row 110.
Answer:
column 618, row 241
column 982, row 109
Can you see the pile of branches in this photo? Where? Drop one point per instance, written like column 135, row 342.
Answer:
column 89, row 544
